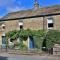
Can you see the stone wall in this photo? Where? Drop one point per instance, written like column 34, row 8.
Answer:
column 33, row 23
column 57, row 22
column 0, row 39
column 56, row 49
column 11, row 25
column 30, row 23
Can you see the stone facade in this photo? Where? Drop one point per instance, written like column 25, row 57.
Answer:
column 34, row 19
column 0, row 39
column 56, row 49
column 30, row 23
column 57, row 22
column 11, row 25
column 33, row 23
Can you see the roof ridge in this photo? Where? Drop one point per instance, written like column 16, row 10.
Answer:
column 32, row 12
column 33, row 9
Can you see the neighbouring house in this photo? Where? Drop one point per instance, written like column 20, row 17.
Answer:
column 37, row 18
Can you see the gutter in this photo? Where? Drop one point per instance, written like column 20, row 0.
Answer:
column 42, row 15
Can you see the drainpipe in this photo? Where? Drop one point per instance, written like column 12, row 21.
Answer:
column 44, row 27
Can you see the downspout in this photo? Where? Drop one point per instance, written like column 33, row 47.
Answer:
column 43, row 23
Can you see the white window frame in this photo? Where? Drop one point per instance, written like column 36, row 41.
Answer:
column 20, row 23
column 51, row 21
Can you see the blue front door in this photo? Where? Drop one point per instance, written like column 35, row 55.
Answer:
column 31, row 43
column 3, row 42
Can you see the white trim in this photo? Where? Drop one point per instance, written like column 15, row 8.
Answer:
column 49, row 21
column 3, row 25
column 3, row 34
column 20, row 23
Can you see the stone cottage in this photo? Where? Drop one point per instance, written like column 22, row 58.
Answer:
column 35, row 19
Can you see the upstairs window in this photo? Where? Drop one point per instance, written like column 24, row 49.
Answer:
column 50, row 23
column 20, row 25
column 3, row 26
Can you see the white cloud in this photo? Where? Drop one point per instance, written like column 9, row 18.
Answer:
column 11, row 5
column 14, row 9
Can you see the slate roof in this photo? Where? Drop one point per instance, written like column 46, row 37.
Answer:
column 31, row 12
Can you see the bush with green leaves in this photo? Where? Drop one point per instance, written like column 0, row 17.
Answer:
column 52, row 37
column 23, row 34
column 12, row 34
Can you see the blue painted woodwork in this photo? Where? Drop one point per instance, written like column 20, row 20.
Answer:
column 3, row 42
column 31, row 43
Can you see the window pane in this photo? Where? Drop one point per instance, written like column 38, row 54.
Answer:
column 50, row 20
column 21, row 26
column 50, row 25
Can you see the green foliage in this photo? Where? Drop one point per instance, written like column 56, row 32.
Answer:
column 38, row 42
column 12, row 34
column 23, row 34
column 53, row 37
column 38, row 38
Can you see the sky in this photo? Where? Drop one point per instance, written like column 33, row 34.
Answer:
column 7, row 6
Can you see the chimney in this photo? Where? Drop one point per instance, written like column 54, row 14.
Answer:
column 36, row 5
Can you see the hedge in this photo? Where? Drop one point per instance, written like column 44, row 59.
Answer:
column 36, row 34
column 41, row 38
column 52, row 37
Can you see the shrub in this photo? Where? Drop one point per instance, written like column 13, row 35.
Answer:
column 53, row 37
column 23, row 34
